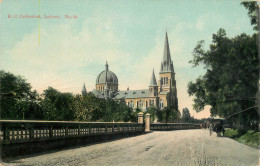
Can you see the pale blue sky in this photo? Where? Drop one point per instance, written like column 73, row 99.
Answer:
column 128, row 34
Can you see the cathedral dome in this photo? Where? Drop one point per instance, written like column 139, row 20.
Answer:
column 111, row 77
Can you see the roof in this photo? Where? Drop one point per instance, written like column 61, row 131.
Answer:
column 131, row 94
column 166, row 51
column 108, row 76
column 153, row 80
column 167, row 64
column 163, row 93
column 98, row 94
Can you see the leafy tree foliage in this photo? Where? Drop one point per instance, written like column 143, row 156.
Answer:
column 57, row 105
column 116, row 111
column 95, row 106
column 83, row 110
column 185, row 115
column 133, row 114
column 168, row 115
column 230, row 82
column 153, row 112
column 17, row 101
column 252, row 12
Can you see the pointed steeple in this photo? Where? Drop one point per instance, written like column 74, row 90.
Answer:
column 166, row 62
column 153, row 80
column 106, row 93
column 106, row 66
column 166, row 52
column 84, row 91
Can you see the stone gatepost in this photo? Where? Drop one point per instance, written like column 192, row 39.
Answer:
column 147, row 122
column 140, row 116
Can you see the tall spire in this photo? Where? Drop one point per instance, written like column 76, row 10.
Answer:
column 106, row 93
column 166, row 52
column 84, row 91
column 153, row 80
column 106, row 66
column 166, row 62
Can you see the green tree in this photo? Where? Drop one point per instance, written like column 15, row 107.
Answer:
column 95, row 106
column 172, row 114
column 185, row 115
column 252, row 12
column 230, row 82
column 82, row 110
column 57, row 105
column 17, row 101
column 168, row 115
column 116, row 111
column 160, row 116
column 153, row 113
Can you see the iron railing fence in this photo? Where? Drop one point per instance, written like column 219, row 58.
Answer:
column 174, row 126
column 16, row 131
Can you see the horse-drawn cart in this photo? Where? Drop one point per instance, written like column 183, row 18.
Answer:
column 218, row 125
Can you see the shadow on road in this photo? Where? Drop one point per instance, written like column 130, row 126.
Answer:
column 26, row 150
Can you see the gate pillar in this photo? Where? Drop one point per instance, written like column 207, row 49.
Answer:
column 140, row 116
column 147, row 122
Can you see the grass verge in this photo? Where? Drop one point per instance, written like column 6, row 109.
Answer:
column 250, row 137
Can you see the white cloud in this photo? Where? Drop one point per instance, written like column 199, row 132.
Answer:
column 67, row 57
column 63, row 52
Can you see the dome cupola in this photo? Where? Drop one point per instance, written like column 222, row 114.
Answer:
column 108, row 76
column 107, row 79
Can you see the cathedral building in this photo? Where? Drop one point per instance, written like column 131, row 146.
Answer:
column 162, row 94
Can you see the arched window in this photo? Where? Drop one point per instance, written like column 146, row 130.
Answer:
column 146, row 104
column 132, row 104
column 167, row 80
column 137, row 104
column 141, row 104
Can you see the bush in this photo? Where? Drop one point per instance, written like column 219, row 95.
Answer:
column 231, row 133
column 249, row 137
column 235, row 133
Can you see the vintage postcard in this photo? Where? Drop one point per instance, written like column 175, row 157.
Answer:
column 95, row 82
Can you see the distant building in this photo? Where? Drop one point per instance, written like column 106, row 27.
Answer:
column 161, row 95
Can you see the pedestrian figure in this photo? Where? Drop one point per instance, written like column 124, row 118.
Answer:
column 210, row 128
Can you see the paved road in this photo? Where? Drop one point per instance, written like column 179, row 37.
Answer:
column 182, row 147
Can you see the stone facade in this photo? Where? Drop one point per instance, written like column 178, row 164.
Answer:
column 161, row 95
